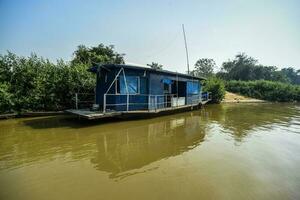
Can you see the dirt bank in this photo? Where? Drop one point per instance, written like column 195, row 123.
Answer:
column 236, row 98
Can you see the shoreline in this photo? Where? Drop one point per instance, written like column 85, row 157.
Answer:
column 245, row 101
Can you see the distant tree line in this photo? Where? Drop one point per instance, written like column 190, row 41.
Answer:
column 244, row 75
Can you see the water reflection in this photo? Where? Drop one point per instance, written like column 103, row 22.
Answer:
column 122, row 146
column 239, row 119
column 132, row 148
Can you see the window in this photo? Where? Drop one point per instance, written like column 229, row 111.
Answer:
column 167, row 88
column 193, row 87
column 133, row 85
column 167, row 85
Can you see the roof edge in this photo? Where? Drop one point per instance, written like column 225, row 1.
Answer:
column 95, row 67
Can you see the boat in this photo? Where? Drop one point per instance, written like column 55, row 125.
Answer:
column 133, row 91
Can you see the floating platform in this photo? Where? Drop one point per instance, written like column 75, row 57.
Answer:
column 91, row 115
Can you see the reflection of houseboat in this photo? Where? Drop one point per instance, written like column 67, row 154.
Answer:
column 123, row 152
column 124, row 90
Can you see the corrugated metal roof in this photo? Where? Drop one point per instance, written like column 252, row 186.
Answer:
column 94, row 69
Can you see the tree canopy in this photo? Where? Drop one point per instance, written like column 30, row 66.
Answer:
column 155, row 65
column 98, row 54
column 246, row 68
column 204, row 67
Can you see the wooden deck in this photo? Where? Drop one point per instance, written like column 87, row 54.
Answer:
column 90, row 115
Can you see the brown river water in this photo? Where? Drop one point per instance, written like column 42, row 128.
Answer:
column 229, row 151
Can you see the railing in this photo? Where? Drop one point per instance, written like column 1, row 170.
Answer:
column 84, row 100
column 129, row 102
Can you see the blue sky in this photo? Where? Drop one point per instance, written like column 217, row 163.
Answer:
column 147, row 31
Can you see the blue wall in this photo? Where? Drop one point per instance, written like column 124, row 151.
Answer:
column 150, row 83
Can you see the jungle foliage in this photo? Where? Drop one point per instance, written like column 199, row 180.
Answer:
column 37, row 84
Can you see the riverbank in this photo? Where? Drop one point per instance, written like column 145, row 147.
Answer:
column 236, row 98
column 229, row 98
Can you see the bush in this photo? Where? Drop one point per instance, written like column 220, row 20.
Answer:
column 267, row 90
column 36, row 84
column 216, row 87
column 6, row 99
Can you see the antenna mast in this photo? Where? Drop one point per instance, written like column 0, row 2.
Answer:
column 186, row 50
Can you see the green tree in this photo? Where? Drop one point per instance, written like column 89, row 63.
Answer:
column 6, row 99
column 241, row 68
column 154, row 65
column 99, row 54
column 204, row 67
column 291, row 74
column 246, row 68
column 37, row 84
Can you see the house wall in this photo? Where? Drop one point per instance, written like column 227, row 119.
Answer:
column 150, row 84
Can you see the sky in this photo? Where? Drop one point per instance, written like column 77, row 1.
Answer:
column 151, row 31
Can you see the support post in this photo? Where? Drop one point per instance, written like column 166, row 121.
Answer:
column 127, row 104
column 76, row 101
column 155, row 101
column 104, row 103
column 149, row 102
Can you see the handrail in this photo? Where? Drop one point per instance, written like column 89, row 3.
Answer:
column 150, row 102
column 153, row 102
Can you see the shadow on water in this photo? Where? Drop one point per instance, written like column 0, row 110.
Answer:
column 122, row 148
column 65, row 121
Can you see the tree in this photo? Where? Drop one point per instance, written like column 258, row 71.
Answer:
column 154, row 65
column 241, row 68
column 246, row 68
column 99, row 54
column 204, row 67
column 292, row 75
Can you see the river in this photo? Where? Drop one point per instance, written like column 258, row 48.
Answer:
column 228, row 151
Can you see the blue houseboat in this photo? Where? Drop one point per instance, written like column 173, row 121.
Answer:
column 126, row 90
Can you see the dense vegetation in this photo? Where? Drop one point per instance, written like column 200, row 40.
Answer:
column 245, row 68
column 36, row 84
column 267, row 90
column 245, row 76
column 216, row 87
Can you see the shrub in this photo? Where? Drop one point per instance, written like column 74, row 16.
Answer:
column 267, row 90
column 216, row 87
column 6, row 99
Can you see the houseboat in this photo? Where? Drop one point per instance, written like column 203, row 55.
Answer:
column 128, row 90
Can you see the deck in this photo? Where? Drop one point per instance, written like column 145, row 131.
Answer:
column 90, row 115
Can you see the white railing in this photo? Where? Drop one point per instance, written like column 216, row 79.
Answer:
column 84, row 100
column 129, row 102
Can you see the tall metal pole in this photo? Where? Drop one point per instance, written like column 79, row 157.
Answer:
column 186, row 50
